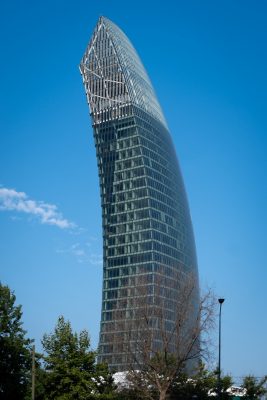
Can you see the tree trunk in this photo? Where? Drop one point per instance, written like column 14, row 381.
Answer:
column 162, row 395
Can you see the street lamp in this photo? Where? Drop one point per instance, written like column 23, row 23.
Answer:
column 219, row 367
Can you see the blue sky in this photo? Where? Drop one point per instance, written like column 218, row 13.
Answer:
column 207, row 61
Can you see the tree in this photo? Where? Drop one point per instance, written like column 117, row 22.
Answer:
column 72, row 372
column 15, row 356
column 199, row 385
column 166, row 340
column 202, row 385
column 255, row 388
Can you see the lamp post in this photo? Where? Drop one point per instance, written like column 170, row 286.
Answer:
column 219, row 366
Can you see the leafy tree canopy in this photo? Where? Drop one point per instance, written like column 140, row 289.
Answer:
column 72, row 372
column 199, row 386
column 15, row 357
column 255, row 388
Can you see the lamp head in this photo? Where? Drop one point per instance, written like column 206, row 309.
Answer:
column 220, row 301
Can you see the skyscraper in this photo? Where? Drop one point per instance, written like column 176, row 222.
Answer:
column 147, row 230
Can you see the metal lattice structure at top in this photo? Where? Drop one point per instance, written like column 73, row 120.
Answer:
column 147, row 233
column 114, row 75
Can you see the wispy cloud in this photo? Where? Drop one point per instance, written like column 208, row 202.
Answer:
column 83, row 253
column 11, row 200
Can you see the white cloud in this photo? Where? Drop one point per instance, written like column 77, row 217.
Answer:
column 11, row 200
column 77, row 250
column 83, row 254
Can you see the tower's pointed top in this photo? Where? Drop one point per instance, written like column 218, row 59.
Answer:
column 109, row 44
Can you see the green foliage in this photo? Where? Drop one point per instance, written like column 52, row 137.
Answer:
column 199, row 386
column 256, row 388
column 72, row 372
column 226, row 383
column 15, row 356
column 133, row 394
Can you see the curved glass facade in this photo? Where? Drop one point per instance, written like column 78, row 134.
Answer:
column 147, row 230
